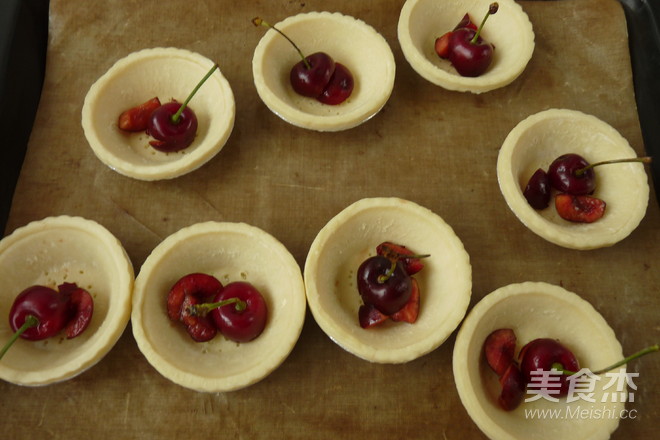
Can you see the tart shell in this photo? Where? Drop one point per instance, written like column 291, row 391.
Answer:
column 509, row 30
column 537, row 310
column 49, row 252
column 538, row 140
column 348, row 41
column 166, row 73
column 230, row 252
column 350, row 238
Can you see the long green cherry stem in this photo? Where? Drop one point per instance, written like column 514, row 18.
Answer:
column 581, row 171
column 177, row 115
column 257, row 21
column 491, row 10
column 30, row 321
column 205, row 308
column 632, row 357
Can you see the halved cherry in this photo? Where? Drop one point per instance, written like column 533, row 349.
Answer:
column 580, row 208
column 499, row 349
column 137, row 118
column 187, row 292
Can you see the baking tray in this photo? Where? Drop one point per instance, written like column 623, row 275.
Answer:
column 428, row 145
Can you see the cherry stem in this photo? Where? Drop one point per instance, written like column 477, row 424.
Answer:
column 257, row 21
column 203, row 309
column 388, row 273
column 647, row 350
column 491, row 10
column 177, row 115
column 30, row 321
column 581, row 171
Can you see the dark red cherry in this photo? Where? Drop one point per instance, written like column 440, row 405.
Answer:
column 499, row 348
column 468, row 58
column 311, row 77
column 411, row 262
column 467, row 51
column 81, row 309
column 172, row 136
column 542, row 354
column 47, row 305
column 384, row 284
column 339, row 88
column 188, row 292
column 566, row 176
column 537, row 191
column 513, row 386
column 243, row 320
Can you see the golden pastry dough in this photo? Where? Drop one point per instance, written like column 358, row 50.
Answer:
column 166, row 73
column 230, row 252
column 537, row 310
column 538, row 140
column 509, row 30
column 348, row 41
column 49, row 252
column 350, row 238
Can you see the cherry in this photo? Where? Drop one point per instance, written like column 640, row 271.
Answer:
column 317, row 75
column 174, row 125
column 45, row 304
column 80, row 309
column 187, row 292
column 546, row 354
column 310, row 76
column 241, row 311
column 339, row 87
column 384, row 283
column 579, row 209
column 369, row 316
column 513, row 386
column 468, row 53
column 40, row 312
column 537, row 191
column 410, row 311
column 499, row 349
column 137, row 118
column 442, row 43
column 572, row 174
column 411, row 262
column 563, row 175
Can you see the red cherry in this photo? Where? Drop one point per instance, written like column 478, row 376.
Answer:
column 411, row 261
column 564, row 176
column 310, row 76
column 468, row 53
column 542, row 354
column 384, row 283
column 317, row 75
column 44, row 303
column 369, row 316
column 339, row 88
column 442, row 47
column 242, row 320
column 579, row 209
column 188, row 292
column 469, row 58
column 81, row 309
column 137, row 118
column 537, row 191
column 499, row 348
column 172, row 136
column 513, row 386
